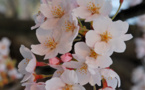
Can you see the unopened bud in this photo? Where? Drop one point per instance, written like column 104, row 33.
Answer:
column 121, row 1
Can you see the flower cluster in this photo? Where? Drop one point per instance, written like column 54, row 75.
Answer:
column 8, row 72
column 59, row 24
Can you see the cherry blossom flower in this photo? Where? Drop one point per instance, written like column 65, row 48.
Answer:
column 4, row 46
column 111, row 77
column 84, row 72
column 69, row 27
column 91, row 9
column 51, row 44
column 67, row 81
column 54, row 11
column 28, row 64
column 93, row 59
column 108, row 36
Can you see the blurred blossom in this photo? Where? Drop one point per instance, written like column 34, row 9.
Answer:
column 140, row 47
column 138, row 77
column 8, row 72
column 135, row 2
column 138, row 74
column 141, row 22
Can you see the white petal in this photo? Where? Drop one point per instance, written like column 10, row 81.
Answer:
column 49, row 24
column 27, row 77
column 101, row 24
column 46, row 10
column 112, row 82
column 79, row 58
column 69, row 77
column 31, row 65
column 102, row 48
column 43, row 35
column 58, row 72
column 106, row 8
column 104, row 61
column 54, row 84
column 51, row 54
column 120, row 46
column 39, row 49
column 78, row 87
column 95, row 79
column 26, row 53
column 121, row 26
column 21, row 67
column 127, row 37
column 82, row 49
column 72, row 64
column 64, row 47
column 92, row 37
column 82, row 12
column 83, row 74
column 82, row 2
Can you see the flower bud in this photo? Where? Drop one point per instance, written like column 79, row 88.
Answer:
column 54, row 61
column 66, row 57
column 121, row 1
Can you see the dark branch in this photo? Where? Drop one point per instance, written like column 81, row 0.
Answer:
column 131, row 12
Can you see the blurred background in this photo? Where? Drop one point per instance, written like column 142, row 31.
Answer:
column 16, row 20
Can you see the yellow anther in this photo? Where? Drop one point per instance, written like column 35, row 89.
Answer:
column 106, row 36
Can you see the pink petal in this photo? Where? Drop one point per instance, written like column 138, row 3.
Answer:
column 82, row 12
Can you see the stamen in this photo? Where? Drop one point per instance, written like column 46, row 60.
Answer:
column 67, row 87
column 93, row 8
column 83, row 69
column 57, row 11
column 50, row 43
column 93, row 54
column 106, row 36
column 69, row 26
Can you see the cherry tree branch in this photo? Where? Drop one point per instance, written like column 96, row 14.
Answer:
column 131, row 12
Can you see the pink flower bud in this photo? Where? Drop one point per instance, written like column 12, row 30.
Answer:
column 66, row 57
column 54, row 61
column 121, row 1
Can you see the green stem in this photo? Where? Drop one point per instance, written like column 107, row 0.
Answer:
column 95, row 87
column 80, row 23
column 117, row 11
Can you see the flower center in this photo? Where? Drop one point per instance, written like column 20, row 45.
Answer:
column 67, row 87
column 57, row 12
column 106, row 36
column 93, row 54
column 3, row 47
column 27, row 61
column 50, row 43
column 69, row 26
column 93, row 8
column 83, row 69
